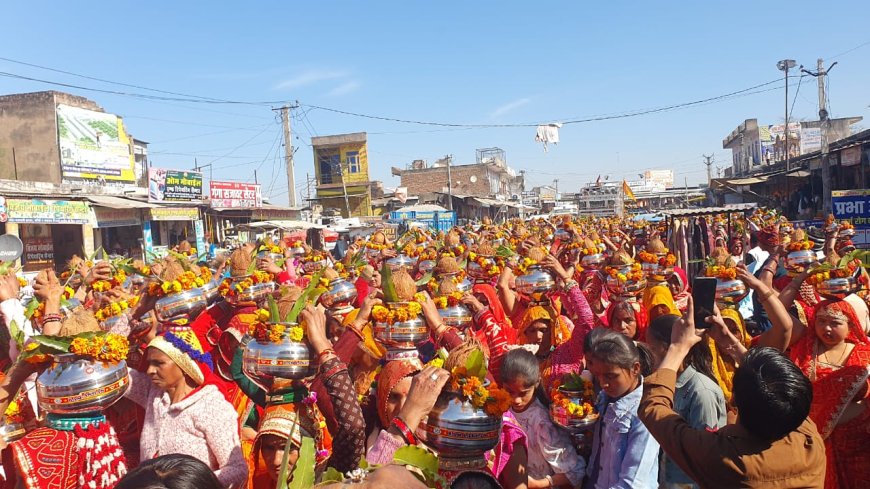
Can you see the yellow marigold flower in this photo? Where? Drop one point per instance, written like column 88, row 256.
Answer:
column 296, row 333
column 263, row 315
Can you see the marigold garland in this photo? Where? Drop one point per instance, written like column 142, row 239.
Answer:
column 450, row 300
column 635, row 273
column 842, row 272
column 721, row 272
column 228, row 289
column 397, row 313
column 493, row 400
column 116, row 308
column 488, row 264
column 800, row 246
column 105, row 348
column 264, row 331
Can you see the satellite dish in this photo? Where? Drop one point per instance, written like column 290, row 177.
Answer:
column 10, row 248
column 473, row 179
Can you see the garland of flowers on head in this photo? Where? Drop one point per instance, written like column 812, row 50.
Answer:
column 452, row 299
column 186, row 281
column 491, row 265
column 667, row 260
column 185, row 348
column 635, row 273
column 401, row 313
column 468, row 382
column 228, row 289
column 116, row 308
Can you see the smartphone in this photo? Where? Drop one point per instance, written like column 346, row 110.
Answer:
column 703, row 295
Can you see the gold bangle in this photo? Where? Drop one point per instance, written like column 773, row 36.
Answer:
column 766, row 295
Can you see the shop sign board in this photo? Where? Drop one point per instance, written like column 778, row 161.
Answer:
column 173, row 214
column 105, row 217
column 174, row 185
column 200, row 238
column 850, row 156
column 48, row 211
column 38, row 250
column 854, row 206
column 235, row 195
column 4, row 215
column 94, row 146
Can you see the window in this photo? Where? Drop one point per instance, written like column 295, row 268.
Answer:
column 353, row 162
column 329, row 161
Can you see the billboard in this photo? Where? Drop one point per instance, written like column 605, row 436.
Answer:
column 93, row 146
column 48, row 211
column 234, row 195
column 811, row 139
column 174, row 185
column 854, row 206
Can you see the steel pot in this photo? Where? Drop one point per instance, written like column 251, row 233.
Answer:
column 276, row 257
column 593, row 262
column 837, row 288
column 846, row 233
column 185, row 304
column 298, row 251
column 275, row 366
column 74, row 385
column 564, row 419
column 341, row 294
column 425, row 266
column 535, row 281
column 457, row 316
column 402, row 335
column 456, row 429
column 253, row 294
column 797, row 261
column 625, row 290
column 210, row 290
column 656, row 272
column 10, row 432
column 477, row 272
column 401, row 262
column 730, row 291
column 562, row 234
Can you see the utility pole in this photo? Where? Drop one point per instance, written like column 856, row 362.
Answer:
column 255, row 178
column 785, row 65
column 820, row 75
column 709, row 164
column 449, row 184
column 288, row 152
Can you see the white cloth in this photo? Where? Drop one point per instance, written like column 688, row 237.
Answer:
column 547, row 133
column 550, row 448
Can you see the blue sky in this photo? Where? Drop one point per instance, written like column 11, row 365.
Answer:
column 483, row 62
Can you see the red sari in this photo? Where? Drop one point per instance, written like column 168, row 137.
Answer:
column 834, row 389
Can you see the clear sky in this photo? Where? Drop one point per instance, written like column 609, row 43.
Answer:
column 467, row 62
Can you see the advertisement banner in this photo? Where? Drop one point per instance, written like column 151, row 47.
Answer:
column 854, row 206
column 173, row 214
column 811, row 139
column 105, row 217
column 93, row 146
column 234, row 195
column 174, row 185
column 201, row 249
column 48, row 211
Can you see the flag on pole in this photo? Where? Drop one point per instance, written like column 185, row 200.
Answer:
column 627, row 191
column 598, row 181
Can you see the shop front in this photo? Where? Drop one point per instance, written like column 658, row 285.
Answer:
column 52, row 230
column 167, row 226
column 119, row 231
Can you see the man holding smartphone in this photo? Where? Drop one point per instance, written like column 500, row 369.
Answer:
column 773, row 445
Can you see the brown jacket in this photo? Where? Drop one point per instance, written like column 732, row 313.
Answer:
column 730, row 457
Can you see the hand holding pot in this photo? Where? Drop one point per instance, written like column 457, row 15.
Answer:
column 425, row 388
column 315, row 323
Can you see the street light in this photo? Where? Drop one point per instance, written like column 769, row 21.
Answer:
column 785, row 65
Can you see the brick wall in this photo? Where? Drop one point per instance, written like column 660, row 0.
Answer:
column 431, row 180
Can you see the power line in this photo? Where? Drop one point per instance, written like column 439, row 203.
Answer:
column 576, row 121
column 849, row 51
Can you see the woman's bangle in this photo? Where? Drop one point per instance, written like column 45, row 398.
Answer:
column 326, row 352
column 550, row 480
column 50, row 318
column 765, row 296
column 406, row 432
column 569, row 284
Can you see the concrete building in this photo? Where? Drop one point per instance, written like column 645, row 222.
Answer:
column 56, row 137
column 488, row 187
column 341, row 168
column 755, row 145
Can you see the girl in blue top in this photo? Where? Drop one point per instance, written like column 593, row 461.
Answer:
column 624, row 454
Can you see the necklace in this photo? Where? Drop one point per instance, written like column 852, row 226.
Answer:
column 816, row 358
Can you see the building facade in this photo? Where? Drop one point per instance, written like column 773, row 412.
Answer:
column 341, row 169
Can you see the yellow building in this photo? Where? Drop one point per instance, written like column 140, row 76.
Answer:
column 341, row 166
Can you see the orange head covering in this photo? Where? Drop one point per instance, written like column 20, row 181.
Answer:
column 723, row 366
column 392, row 373
column 640, row 316
column 658, row 301
column 559, row 332
column 296, row 420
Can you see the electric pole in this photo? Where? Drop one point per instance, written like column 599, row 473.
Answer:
column 820, row 75
column 784, row 66
column 709, row 164
column 288, row 152
column 449, row 184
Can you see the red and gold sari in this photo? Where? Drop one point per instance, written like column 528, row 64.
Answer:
column 835, row 390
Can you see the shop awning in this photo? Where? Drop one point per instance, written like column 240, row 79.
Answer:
column 701, row 211
column 747, row 181
column 114, row 202
column 799, row 174
column 278, row 224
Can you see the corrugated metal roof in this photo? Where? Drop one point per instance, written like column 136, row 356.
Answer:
column 113, row 202
column 700, row 211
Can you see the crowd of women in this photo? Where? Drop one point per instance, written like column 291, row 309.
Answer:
column 494, row 355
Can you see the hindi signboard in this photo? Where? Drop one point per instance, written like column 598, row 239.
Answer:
column 174, row 185
column 48, row 211
column 234, row 195
column 854, row 206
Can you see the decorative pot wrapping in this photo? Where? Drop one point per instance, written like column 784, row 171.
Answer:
column 457, row 316
column 456, row 429
column 75, row 385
